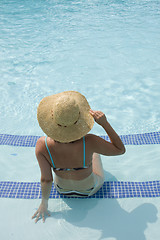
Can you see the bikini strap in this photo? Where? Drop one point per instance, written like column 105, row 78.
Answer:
column 49, row 152
column 84, row 156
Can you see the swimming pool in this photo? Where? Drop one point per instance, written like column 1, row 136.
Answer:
column 109, row 51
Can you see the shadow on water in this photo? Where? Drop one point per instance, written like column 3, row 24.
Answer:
column 109, row 217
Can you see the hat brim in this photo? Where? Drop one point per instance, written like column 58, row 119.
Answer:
column 62, row 134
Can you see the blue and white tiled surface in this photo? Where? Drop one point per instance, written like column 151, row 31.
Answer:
column 32, row 190
column 132, row 139
column 110, row 189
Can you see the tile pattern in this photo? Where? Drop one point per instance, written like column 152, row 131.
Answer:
column 32, row 190
column 16, row 140
column 132, row 139
column 139, row 139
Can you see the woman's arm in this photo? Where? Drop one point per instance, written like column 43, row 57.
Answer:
column 43, row 208
column 46, row 180
column 116, row 147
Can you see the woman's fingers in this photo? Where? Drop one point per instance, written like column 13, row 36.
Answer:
column 37, row 218
column 43, row 217
column 93, row 113
column 96, row 114
column 35, row 214
column 42, row 210
column 38, row 215
column 48, row 214
column 99, row 116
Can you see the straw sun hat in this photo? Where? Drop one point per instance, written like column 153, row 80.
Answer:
column 65, row 116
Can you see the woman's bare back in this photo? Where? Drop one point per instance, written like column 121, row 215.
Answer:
column 70, row 156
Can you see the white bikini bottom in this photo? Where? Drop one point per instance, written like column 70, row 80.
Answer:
column 79, row 188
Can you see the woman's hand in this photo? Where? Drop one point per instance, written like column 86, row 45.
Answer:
column 42, row 210
column 99, row 117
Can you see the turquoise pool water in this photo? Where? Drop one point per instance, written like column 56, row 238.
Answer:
column 109, row 51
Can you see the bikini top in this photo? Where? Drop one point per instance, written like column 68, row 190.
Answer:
column 68, row 169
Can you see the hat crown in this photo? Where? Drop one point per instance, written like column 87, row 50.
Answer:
column 66, row 111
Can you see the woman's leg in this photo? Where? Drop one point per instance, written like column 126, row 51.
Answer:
column 98, row 173
column 97, row 165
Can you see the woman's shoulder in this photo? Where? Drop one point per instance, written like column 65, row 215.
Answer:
column 40, row 145
column 91, row 137
column 40, row 140
column 96, row 143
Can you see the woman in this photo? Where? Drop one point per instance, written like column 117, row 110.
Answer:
column 66, row 118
